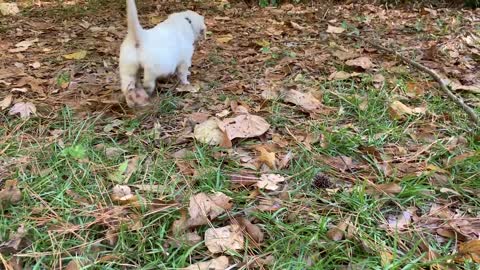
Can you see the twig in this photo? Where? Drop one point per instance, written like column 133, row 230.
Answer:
column 443, row 86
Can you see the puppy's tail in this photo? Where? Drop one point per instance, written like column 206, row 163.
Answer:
column 134, row 27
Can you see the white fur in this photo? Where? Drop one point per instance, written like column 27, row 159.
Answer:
column 161, row 51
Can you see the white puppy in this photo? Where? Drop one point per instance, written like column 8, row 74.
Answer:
column 161, row 51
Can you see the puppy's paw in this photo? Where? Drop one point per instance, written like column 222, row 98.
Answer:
column 137, row 98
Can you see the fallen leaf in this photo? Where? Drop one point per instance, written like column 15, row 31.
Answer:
column 470, row 250
column 180, row 225
column 74, row 264
column 468, row 88
column 252, row 230
column 401, row 222
column 225, row 238
column 35, row 64
column 337, row 233
column 335, row 30
column 224, row 38
column 305, row 100
column 270, row 181
column 16, row 241
column 114, row 152
column 10, row 193
column 6, row 102
column 339, row 75
column 220, row 263
column 389, row 188
column 285, row 161
column 122, row 195
column 9, row 9
column 344, row 54
column 363, row 62
column 208, row 132
column 269, row 205
column 23, row 108
column 386, row 258
column 204, row 207
column 19, row 89
column 23, row 45
column 398, row 110
column 266, row 157
column 76, row 55
column 244, row 126
column 414, row 89
column 188, row 88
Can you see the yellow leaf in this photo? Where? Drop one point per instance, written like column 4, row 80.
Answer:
column 267, row 158
column 224, row 38
column 76, row 55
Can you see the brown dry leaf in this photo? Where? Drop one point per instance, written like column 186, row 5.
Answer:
column 337, row 233
column 252, row 230
column 266, row 157
column 344, row 54
column 23, row 46
column 10, row 193
column 398, row 110
column 244, row 126
column 76, row 55
column 335, row 30
column 16, row 241
column 224, row 39
column 305, row 100
column 339, row 75
column 74, row 265
column 285, row 161
column 363, row 62
column 208, row 132
column 378, row 80
column 386, row 258
column 269, row 205
column 389, row 188
column 470, row 250
column 270, row 181
column 25, row 109
column 468, row 88
column 244, row 179
column 204, row 207
column 415, row 89
column 180, row 225
column 6, row 102
column 122, row 195
column 220, row 263
column 225, row 238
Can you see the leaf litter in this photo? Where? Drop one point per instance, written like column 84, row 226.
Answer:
column 277, row 51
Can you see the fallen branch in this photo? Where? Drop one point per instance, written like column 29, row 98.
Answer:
column 443, row 86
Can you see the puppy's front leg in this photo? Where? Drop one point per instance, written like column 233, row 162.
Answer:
column 183, row 72
column 149, row 80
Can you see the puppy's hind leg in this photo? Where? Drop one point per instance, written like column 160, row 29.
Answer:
column 183, row 72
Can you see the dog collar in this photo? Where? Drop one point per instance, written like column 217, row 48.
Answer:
column 191, row 25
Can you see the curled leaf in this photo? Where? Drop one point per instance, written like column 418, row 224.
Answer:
column 204, row 207
column 225, row 238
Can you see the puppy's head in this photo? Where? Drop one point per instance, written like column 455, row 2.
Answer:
column 198, row 24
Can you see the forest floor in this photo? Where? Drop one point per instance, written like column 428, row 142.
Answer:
column 306, row 148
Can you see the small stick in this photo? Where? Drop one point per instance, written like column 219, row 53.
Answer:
column 443, row 86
